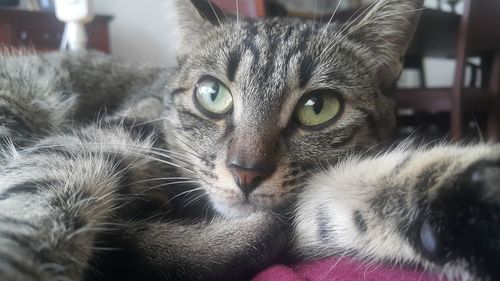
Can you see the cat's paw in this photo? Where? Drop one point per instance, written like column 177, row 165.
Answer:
column 435, row 207
column 461, row 225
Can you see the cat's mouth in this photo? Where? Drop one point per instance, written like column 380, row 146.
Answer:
column 232, row 203
column 233, row 208
column 230, row 199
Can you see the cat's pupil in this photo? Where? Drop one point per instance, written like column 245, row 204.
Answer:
column 214, row 92
column 316, row 103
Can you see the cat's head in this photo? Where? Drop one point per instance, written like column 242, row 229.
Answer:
column 258, row 103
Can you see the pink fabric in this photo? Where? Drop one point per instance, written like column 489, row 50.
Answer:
column 341, row 269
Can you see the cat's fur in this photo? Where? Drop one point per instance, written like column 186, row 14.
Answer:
column 116, row 195
column 75, row 191
column 382, row 208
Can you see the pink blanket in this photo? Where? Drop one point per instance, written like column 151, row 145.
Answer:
column 341, row 269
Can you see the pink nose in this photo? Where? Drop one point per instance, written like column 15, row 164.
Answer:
column 248, row 179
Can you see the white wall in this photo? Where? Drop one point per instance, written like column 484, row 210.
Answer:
column 141, row 31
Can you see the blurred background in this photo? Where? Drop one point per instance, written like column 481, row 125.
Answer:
column 449, row 88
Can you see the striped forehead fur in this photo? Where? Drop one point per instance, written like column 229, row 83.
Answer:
column 269, row 64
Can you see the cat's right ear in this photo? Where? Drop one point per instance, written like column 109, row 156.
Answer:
column 387, row 29
column 194, row 18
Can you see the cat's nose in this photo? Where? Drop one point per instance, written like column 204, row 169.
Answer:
column 249, row 178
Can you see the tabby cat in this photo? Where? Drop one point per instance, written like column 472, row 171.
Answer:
column 252, row 149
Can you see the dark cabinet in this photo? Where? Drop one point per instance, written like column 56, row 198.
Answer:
column 43, row 31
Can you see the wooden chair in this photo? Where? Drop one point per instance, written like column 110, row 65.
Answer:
column 475, row 33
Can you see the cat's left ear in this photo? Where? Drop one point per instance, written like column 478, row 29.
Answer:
column 387, row 29
column 194, row 19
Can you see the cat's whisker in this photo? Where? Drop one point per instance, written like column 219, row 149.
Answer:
column 154, row 218
column 360, row 12
column 170, row 152
column 325, row 31
column 193, row 201
column 86, row 229
column 329, row 22
column 237, row 12
column 206, row 209
column 346, row 25
column 117, row 207
column 187, row 145
column 154, row 148
column 177, row 153
column 163, row 185
column 160, row 179
column 159, row 150
column 148, row 155
column 186, row 192
column 151, row 121
column 111, row 224
column 167, row 156
column 353, row 19
column 215, row 12
column 102, row 147
column 170, row 163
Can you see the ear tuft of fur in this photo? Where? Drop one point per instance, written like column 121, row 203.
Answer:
column 194, row 18
column 387, row 28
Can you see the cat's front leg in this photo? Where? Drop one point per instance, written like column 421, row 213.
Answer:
column 219, row 249
column 50, row 210
column 58, row 196
column 438, row 207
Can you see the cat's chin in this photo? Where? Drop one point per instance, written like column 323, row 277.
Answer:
column 233, row 210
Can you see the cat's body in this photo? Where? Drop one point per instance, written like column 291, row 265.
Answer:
column 103, row 161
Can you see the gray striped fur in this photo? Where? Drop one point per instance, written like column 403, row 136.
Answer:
column 109, row 170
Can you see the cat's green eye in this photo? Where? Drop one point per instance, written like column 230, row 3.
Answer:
column 212, row 96
column 318, row 108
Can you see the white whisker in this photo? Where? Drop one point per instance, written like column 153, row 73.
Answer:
column 186, row 192
column 165, row 184
column 237, row 12
column 348, row 25
column 160, row 179
column 194, row 200
column 215, row 13
column 151, row 121
column 329, row 22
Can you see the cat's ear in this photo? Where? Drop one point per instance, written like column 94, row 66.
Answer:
column 194, row 18
column 387, row 29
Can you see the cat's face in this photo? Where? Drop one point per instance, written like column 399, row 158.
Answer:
column 261, row 103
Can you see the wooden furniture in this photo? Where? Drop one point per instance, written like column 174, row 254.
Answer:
column 43, row 31
column 474, row 34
